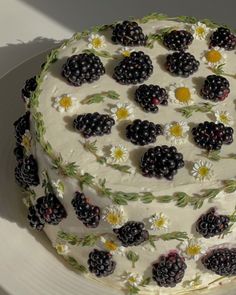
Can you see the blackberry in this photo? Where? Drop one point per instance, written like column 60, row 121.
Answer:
column 221, row 261
column 169, row 270
column 34, row 220
column 132, row 233
column 133, row 69
column 93, row 124
column 178, row 40
column 87, row 213
column 128, row 33
column 216, row 88
column 212, row 224
column 150, row 96
column 50, row 209
column 29, row 88
column 211, row 136
column 161, row 161
column 222, row 37
column 182, row 63
column 143, row 132
column 19, row 152
column 83, row 68
column 21, row 125
column 101, row 263
column 26, row 172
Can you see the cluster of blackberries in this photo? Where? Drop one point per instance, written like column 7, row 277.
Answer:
column 101, row 263
column 128, row 33
column 87, row 213
column 212, row 224
column 93, row 124
column 169, row 270
column 222, row 37
column 133, row 69
column 48, row 209
column 29, row 88
column 161, row 161
column 221, row 261
column 143, row 132
column 182, row 63
column 83, row 68
column 177, row 40
column 21, row 126
column 215, row 88
column 132, row 233
column 211, row 136
column 150, row 96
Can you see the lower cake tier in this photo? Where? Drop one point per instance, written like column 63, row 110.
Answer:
column 162, row 245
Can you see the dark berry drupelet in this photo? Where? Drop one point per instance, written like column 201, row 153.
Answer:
column 221, row 261
column 34, row 220
column 29, row 88
column 161, row 161
column 211, row 224
column 19, row 152
column 21, row 125
column 50, row 209
column 83, row 68
column 128, row 33
column 87, row 213
column 178, row 40
column 132, row 233
column 211, row 136
column 215, row 88
column 150, row 96
column 169, row 270
column 222, row 37
column 101, row 263
column 93, row 124
column 182, row 64
column 143, row 132
column 26, row 172
column 133, row 69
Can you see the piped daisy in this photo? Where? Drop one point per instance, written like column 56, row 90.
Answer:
column 119, row 154
column 176, row 132
column 59, row 187
column 96, row 41
column 132, row 279
column 113, row 247
column 159, row 222
column 224, row 117
column 181, row 94
column 192, row 248
column 122, row 111
column 114, row 215
column 65, row 103
column 26, row 141
column 200, row 31
column 126, row 51
column 214, row 56
column 202, row 170
column 62, row 249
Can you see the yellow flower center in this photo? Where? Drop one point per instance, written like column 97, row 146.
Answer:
column 193, row 250
column 122, row 114
column 224, row 119
column 65, row 102
column 110, row 245
column 183, row 94
column 213, row 56
column 132, row 280
column 97, row 42
column 60, row 249
column 118, row 154
column 203, row 171
column 160, row 222
column 26, row 142
column 113, row 218
column 126, row 53
column 176, row 130
column 200, row 31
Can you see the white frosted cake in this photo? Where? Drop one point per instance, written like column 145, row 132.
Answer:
column 127, row 157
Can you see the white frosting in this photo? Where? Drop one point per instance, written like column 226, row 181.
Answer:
column 66, row 141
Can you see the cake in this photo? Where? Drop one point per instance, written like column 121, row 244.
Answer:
column 126, row 154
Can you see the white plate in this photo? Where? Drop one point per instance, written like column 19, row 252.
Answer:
column 28, row 263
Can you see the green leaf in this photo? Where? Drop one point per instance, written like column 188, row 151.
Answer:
column 70, row 169
column 121, row 168
column 229, row 186
column 132, row 290
column 145, row 282
column 100, row 97
column 74, row 263
column 69, row 238
column 73, row 50
column 164, row 199
column 86, row 179
column 101, row 53
column 89, row 240
column 147, row 197
column 91, row 146
column 188, row 19
column 213, row 155
column 182, row 199
column 152, row 16
column 133, row 257
column 112, row 94
column 176, row 235
column 119, row 200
